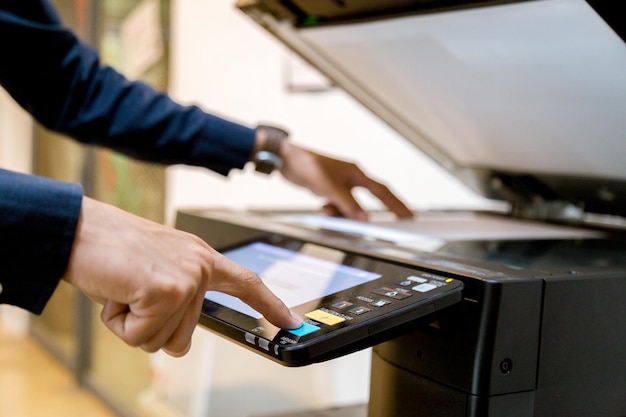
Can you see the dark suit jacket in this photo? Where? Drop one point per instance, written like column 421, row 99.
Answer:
column 62, row 83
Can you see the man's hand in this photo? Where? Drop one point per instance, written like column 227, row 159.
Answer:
column 151, row 279
column 335, row 179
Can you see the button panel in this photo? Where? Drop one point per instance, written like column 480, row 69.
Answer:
column 360, row 304
column 352, row 300
column 401, row 289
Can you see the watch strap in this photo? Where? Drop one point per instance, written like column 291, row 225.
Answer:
column 268, row 158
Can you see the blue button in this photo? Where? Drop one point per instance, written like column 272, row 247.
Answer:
column 305, row 329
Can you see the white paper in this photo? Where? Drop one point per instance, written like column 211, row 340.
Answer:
column 433, row 228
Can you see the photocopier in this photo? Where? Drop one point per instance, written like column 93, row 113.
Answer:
column 525, row 103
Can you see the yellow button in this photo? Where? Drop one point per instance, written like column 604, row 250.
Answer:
column 324, row 317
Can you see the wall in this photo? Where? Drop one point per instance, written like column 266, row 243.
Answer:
column 223, row 62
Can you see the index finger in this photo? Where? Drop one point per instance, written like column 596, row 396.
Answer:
column 389, row 199
column 235, row 280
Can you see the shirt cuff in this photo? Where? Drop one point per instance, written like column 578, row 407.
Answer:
column 38, row 220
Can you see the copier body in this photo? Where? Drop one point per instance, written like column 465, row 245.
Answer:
column 519, row 351
column 540, row 331
column 523, row 102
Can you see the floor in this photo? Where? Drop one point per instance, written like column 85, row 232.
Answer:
column 34, row 384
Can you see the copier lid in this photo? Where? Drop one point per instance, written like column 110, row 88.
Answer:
column 524, row 101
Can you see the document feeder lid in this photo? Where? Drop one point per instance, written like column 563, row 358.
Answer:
column 524, row 101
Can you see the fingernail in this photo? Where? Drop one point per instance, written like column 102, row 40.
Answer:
column 361, row 216
column 299, row 319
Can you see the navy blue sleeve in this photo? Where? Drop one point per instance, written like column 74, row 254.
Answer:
column 62, row 83
column 38, row 219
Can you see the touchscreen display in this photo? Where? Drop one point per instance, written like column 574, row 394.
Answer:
column 294, row 277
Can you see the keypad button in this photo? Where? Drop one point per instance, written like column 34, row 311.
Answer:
column 395, row 293
column 359, row 310
column 303, row 330
column 250, row 338
column 342, row 305
column 380, row 303
column 419, row 280
column 424, row 287
column 325, row 317
column 264, row 344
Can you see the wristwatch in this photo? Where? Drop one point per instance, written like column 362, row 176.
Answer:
column 268, row 158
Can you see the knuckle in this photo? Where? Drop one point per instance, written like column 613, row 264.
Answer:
column 134, row 339
column 380, row 188
column 148, row 347
column 177, row 290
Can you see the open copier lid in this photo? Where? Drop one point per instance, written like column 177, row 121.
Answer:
column 524, row 101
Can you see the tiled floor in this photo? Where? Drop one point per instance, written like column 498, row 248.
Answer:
column 33, row 384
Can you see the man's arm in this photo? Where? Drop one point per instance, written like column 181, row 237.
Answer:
column 63, row 84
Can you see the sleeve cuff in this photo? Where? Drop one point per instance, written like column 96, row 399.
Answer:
column 38, row 219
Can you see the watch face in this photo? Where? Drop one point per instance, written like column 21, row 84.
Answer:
column 266, row 162
column 264, row 167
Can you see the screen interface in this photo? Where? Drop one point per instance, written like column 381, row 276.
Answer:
column 294, row 277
